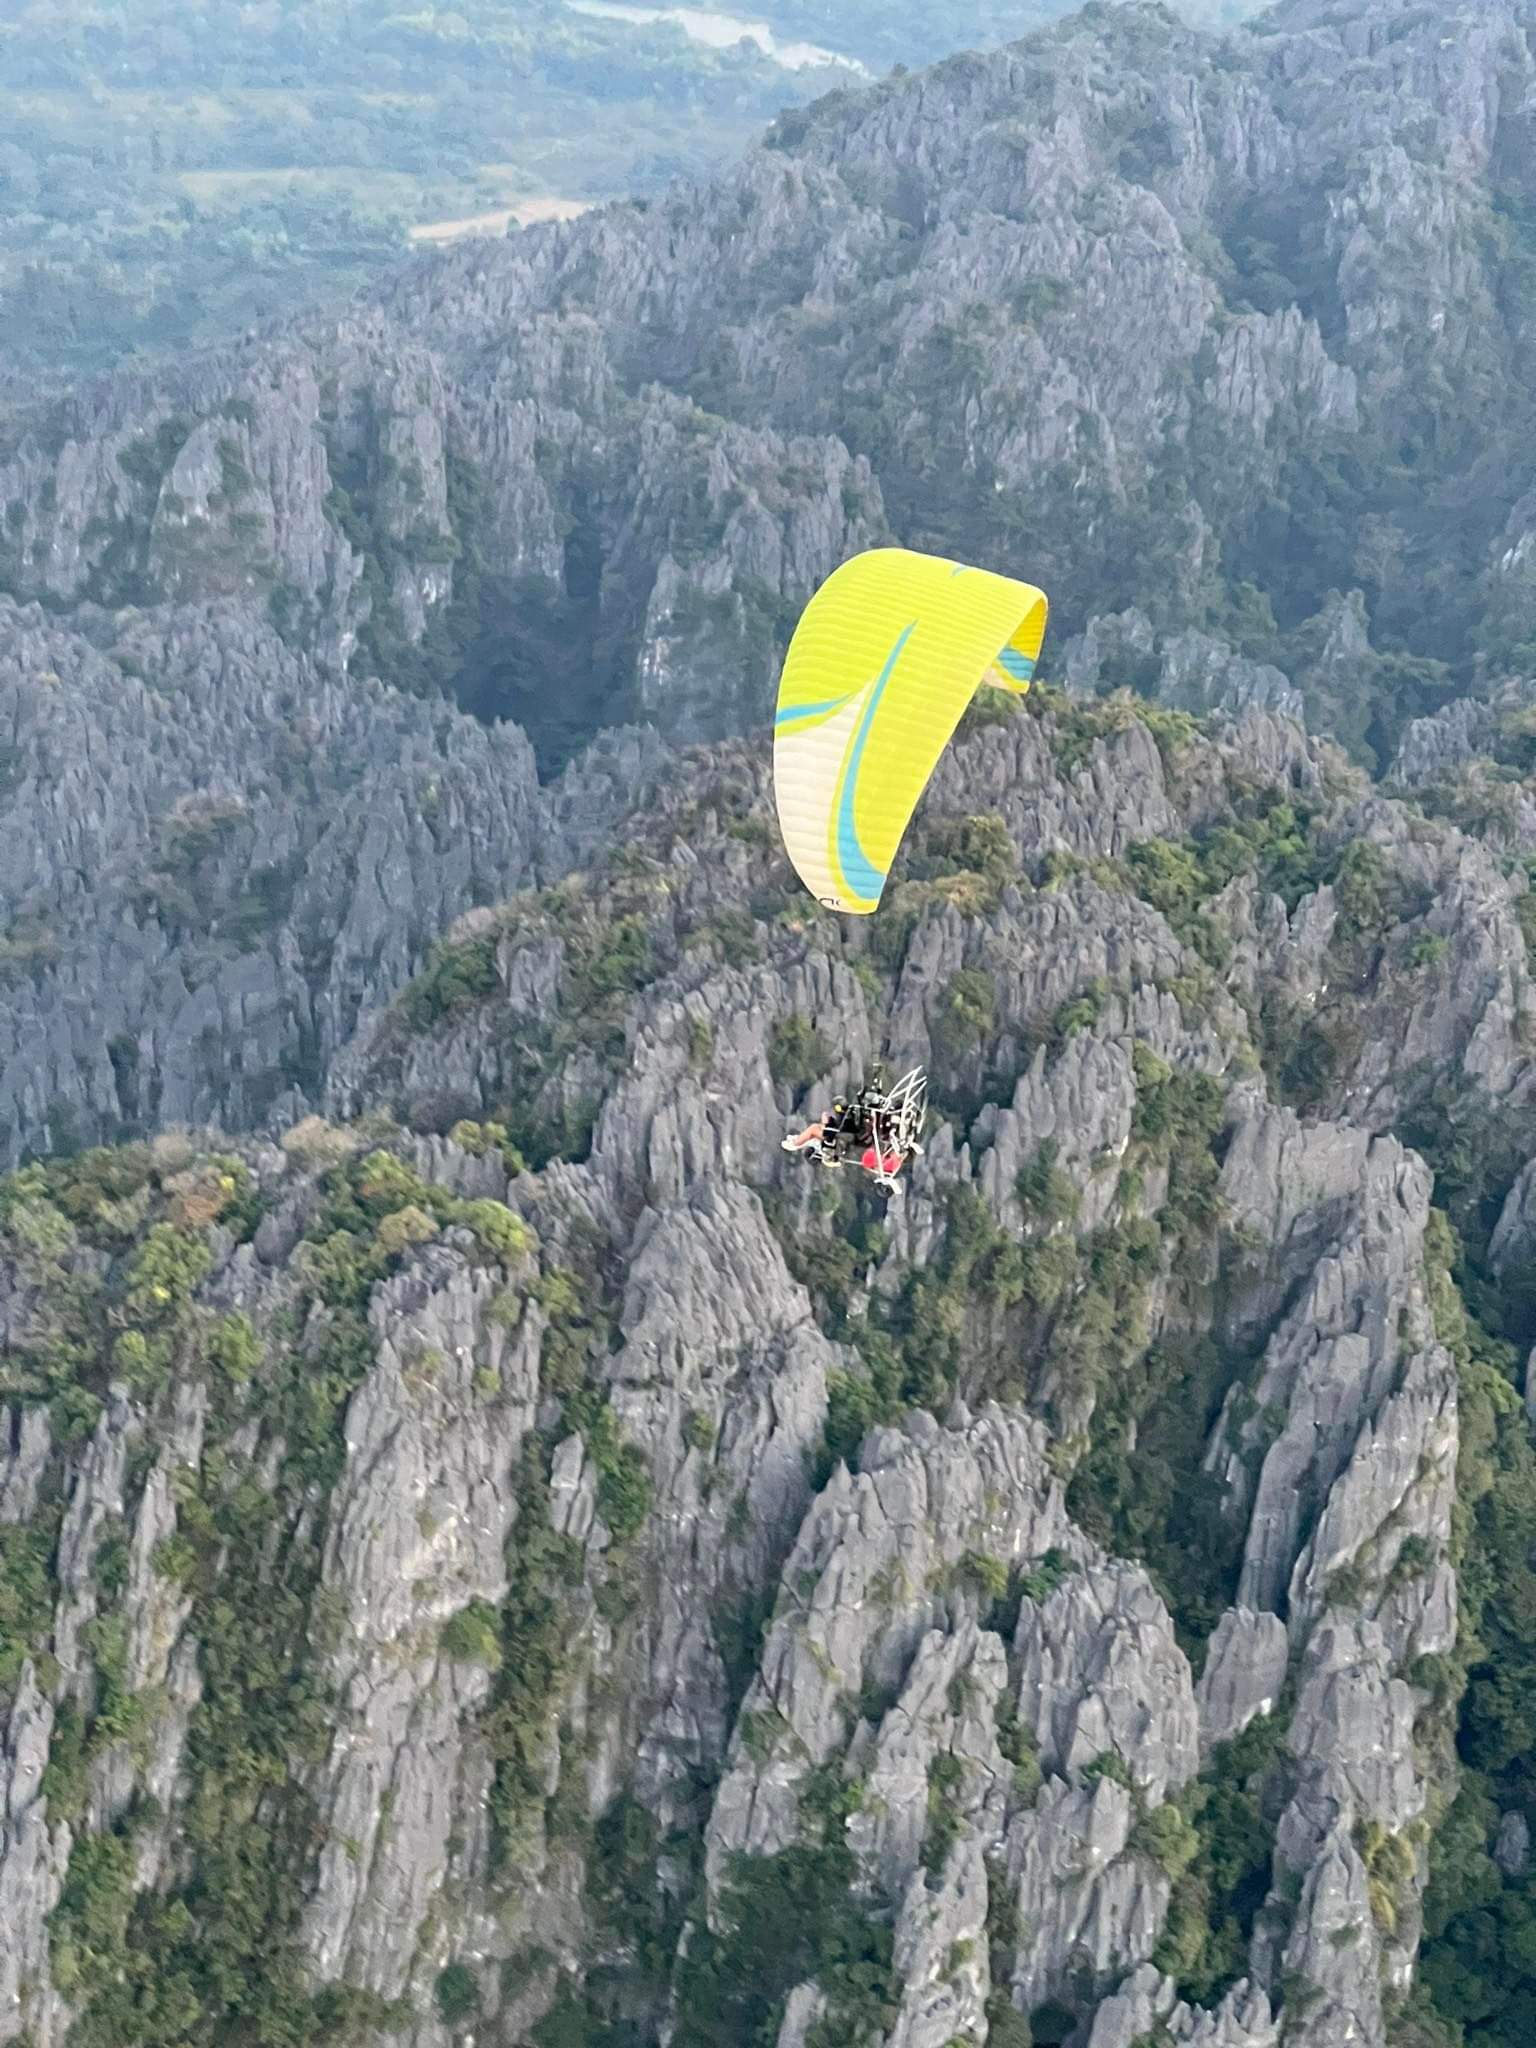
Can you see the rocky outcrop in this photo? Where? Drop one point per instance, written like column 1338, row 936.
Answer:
column 1329, row 1959
column 30, row 1441
column 1094, row 1905
column 539, row 1524
column 724, row 1378
column 241, row 861
column 1388, row 1519
column 1102, row 1676
column 1333, row 1354
column 590, row 473
column 1148, row 2003
column 1514, row 1235
column 940, row 1954
column 620, row 1428
column 33, row 1860
column 1246, row 1661
column 1433, row 748
column 419, row 1523
column 1191, row 670
column 879, row 1561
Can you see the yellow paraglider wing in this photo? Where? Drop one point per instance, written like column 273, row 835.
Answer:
column 886, row 657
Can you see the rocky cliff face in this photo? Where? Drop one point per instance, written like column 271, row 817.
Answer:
column 496, row 1552
column 526, row 1561
column 1225, row 343
column 221, row 856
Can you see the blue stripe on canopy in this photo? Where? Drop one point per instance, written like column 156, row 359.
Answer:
column 793, row 711
column 859, row 871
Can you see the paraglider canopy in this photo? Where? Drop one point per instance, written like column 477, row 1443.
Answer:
column 886, row 657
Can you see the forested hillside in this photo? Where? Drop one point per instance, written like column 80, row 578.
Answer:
column 492, row 1550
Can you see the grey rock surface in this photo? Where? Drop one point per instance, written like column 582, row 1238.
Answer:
column 240, row 860
column 1332, row 1357
column 697, row 1288
column 1102, row 1675
column 1147, row 2002
column 1246, row 1661
column 874, row 1556
column 1512, row 1848
column 990, row 310
column 1092, row 1905
column 620, row 1555
column 418, row 1529
column 33, row 1861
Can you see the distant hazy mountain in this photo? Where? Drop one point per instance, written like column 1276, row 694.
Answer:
column 173, row 170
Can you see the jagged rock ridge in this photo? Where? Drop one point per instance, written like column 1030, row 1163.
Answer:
column 698, row 1603
column 1223, row 342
